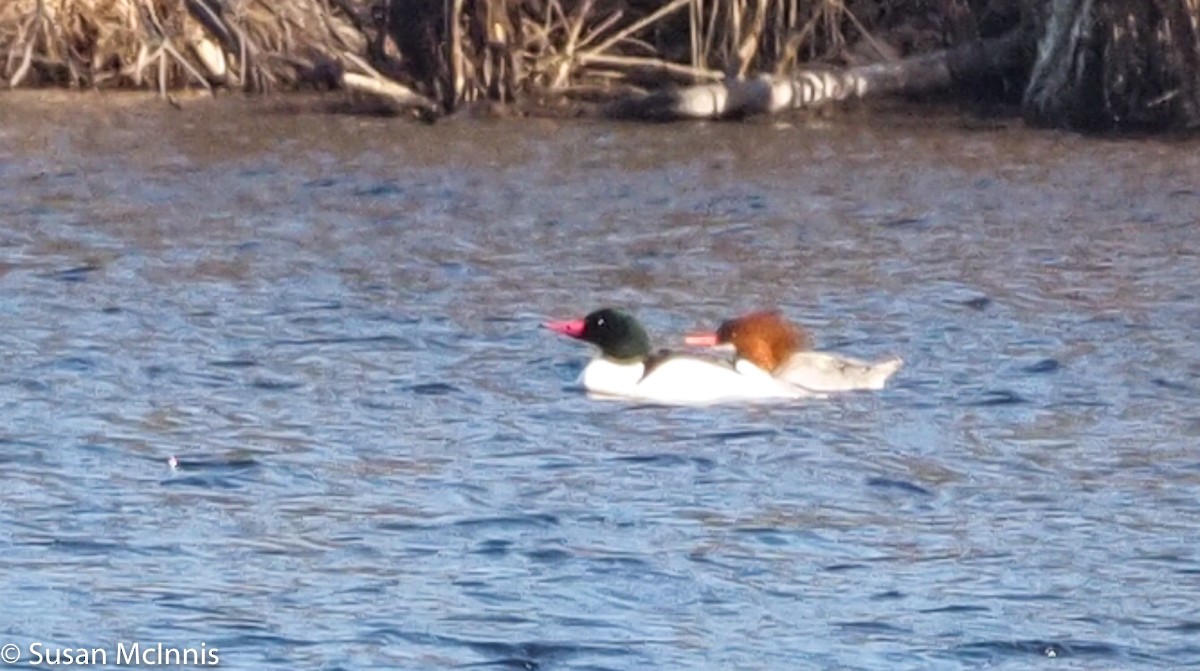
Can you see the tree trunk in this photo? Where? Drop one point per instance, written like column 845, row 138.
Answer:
column 1117, row 65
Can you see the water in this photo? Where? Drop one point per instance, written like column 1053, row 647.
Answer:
column 332, row 324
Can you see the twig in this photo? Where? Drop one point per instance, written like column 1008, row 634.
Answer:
column 574, row 28
column 638, row 25
column 456, row 53
column 653, row 63
column 600, row 28
column 31, row 26
column 168, row 47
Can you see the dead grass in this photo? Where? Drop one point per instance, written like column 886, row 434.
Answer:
column 463, row 50
column 453, row 51
column 168, row 44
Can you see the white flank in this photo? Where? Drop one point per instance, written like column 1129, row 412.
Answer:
column 822, row 371
column 684, row 381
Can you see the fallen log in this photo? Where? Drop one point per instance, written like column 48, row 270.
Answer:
column 393, row 95
column 350, row 72
column 734, row 98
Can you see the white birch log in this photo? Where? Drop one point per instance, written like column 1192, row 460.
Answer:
column 396, row 96
column 812, row 87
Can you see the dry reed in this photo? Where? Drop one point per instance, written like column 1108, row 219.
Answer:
column 457, row 51
column 452, row 51
column 167, row 44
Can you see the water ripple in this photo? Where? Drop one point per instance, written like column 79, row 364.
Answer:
column 290, row 398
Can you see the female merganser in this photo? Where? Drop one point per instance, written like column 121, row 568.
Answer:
column 627, row 368
column 767, row 341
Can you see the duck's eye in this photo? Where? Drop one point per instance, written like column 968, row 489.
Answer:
column 600, row 321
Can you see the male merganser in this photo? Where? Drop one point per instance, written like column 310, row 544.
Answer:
column 628, row 368
column 767, row 341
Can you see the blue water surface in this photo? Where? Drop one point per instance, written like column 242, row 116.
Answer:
column 274, row 383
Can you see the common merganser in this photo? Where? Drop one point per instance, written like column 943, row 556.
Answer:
column 767, row 341
column 628, row 368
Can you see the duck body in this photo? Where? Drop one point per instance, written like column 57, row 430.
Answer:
column 824, row 371
column 682, row 379
column 627, row 368
column 768, row 342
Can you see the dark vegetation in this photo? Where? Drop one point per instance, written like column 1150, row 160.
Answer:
column 1090, row 64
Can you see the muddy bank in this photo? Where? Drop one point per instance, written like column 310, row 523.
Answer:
column 1113, row 65
column 459, row 51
